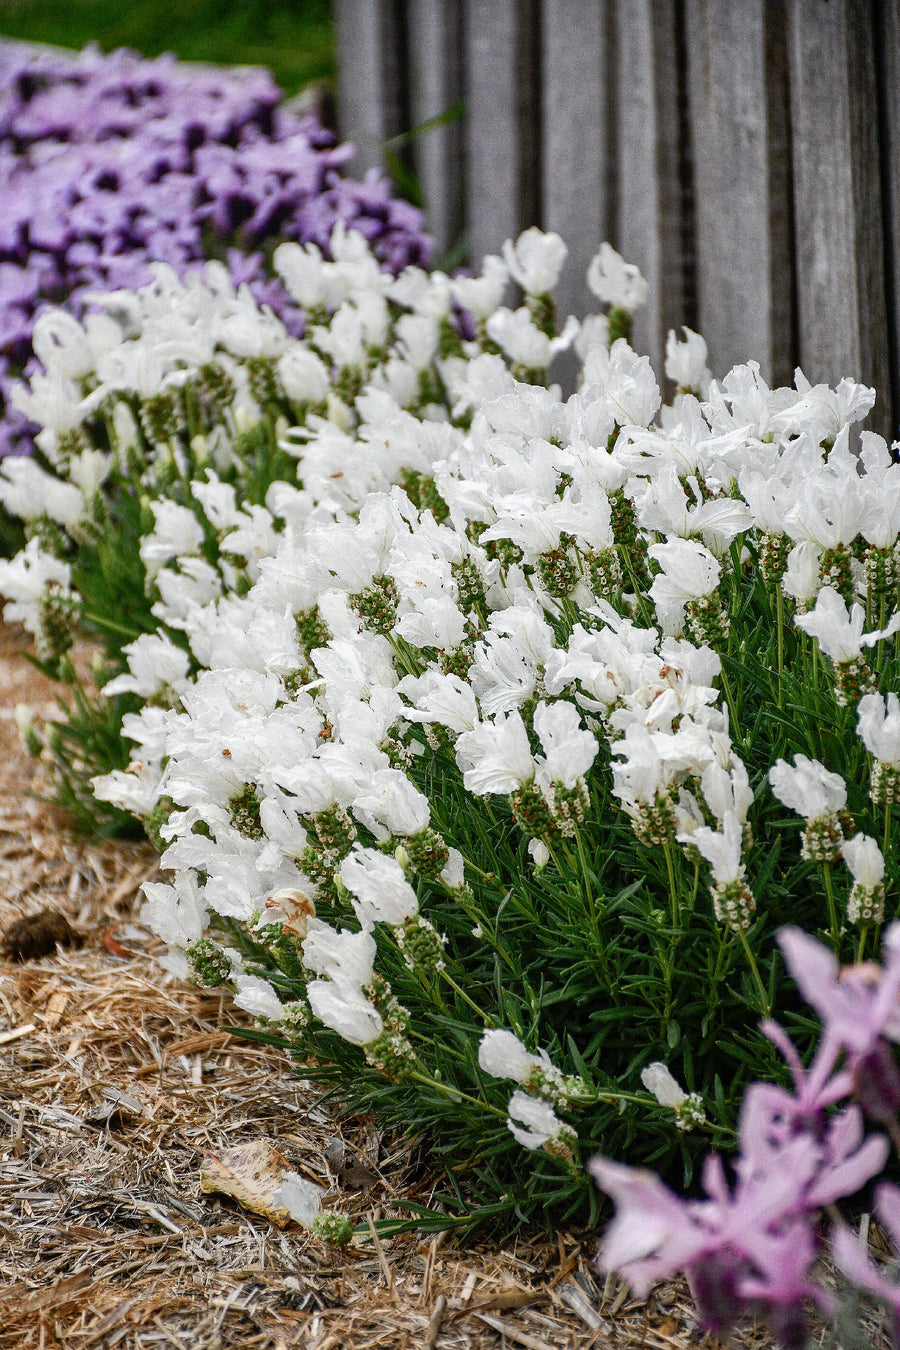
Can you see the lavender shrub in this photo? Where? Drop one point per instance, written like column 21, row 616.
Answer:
column 110, row 162
column 750, row 1246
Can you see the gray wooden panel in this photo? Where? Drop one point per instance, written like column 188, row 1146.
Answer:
column 729, row 127
column 888, row 45
column 781, row 210
column 574, row 158
column 369, row 96
column 500, row 159
column 647, row 210
column 887, row 39
column 869, row 205
column 435, row 86
column 837, row 198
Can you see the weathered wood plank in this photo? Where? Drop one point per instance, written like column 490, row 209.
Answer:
column 647, row 210
column 574, row 138
column 435, row 86
column 502, row 133
column 887, row 53
column 729, row 127
column 370, row 76
column 837, row 196
column 781, row 207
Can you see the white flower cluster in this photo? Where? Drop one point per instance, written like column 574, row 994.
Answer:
column 532, row 1121
column 469, row 566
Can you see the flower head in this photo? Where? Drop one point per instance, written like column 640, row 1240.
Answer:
column 808, row 787
column 535, row 260
column 839, row 631
column 614, row 281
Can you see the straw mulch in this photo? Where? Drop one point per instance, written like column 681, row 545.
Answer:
column 115, row 1079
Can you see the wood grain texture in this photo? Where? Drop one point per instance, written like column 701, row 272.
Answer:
column 370, row 92
column 868, row 200
column 837, row 196
column 887, row 51
column 435, row 79
column 647, row 212
column 575, row 132
column 729, row 124
column 783, row 288
column 502, row 143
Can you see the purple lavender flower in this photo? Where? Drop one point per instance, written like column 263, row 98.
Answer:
column 749, row 1246
column 110, row 162
column 860, row 1011
column 772, row 1112
column 744, row 1250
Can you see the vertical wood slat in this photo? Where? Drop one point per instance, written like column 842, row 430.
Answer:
column 436, row 86
column 648, row 198
column 727, row 83
column 574, row 139
column 840, row 272
column 369, row 96
column 869, row 205
column 781, row 207
column 500, row 156
column 888, row 37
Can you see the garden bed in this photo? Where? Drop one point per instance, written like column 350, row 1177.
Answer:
column 114, row 1079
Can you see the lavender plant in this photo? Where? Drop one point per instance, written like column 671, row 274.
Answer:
column 752, row 1247
column 162, row 418
column 473, row 747
column 109, row 163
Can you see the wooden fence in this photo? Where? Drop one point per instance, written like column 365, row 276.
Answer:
column 745, row 153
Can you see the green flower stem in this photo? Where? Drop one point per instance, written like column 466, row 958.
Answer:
column 612, row 1097
column 585, row 871
column 645, row 608
column 590, row 904
column 103, row 621
column 488, row 933
column 447, row 1090
column 570, row 612
column 713, row 987
column 674, row 906
column 764, row 1007
column 779, row 629
column 403, row 652
column 735, row 585
column 732, row 710
column 471, row 866
column 832, row 908
column 668, row 958
column 194, row 426
column 886, row 839
column 448, row 978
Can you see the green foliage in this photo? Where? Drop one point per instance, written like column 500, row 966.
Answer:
column 579, row 917
column 87, row 741
column 610, row 957
column 115, row 595
column 294, row 39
